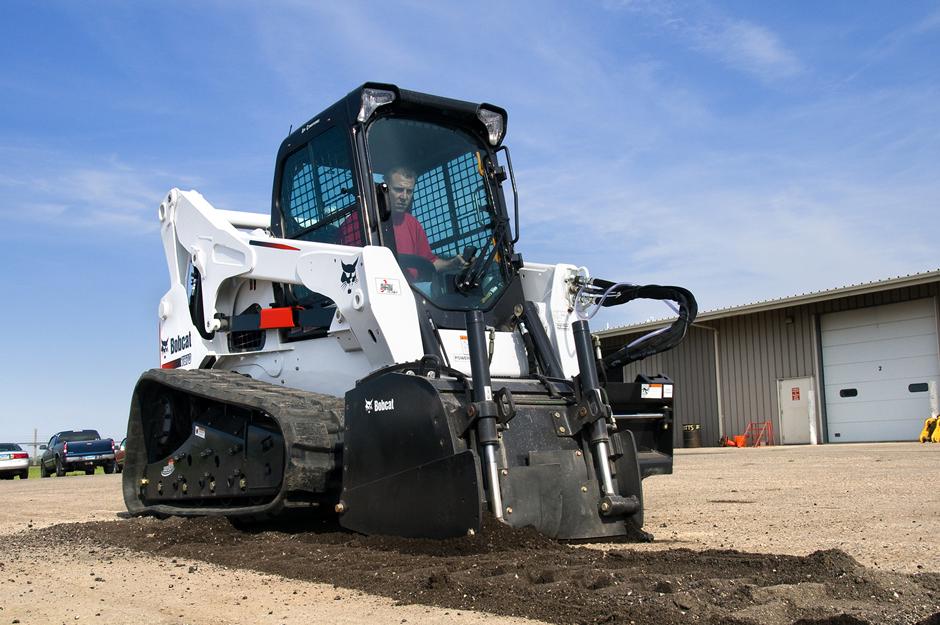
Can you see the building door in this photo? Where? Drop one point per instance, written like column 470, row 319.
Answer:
column 877, row 365
column 797, row 411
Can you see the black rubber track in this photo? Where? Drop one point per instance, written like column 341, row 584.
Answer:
column 312, row 425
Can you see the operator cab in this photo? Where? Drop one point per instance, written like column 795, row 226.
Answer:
column 452, row 210
column 452, row 240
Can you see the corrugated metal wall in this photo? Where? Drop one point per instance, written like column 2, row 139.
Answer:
column 692, row 367
column 755, row 350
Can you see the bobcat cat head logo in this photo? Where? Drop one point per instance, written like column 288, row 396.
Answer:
column 349, row 276
column 369, row 405
column 164, row 345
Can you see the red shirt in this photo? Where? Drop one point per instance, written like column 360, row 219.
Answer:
column 350, row 233
column 410, row 237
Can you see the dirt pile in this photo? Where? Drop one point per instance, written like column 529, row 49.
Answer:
column 522, row 573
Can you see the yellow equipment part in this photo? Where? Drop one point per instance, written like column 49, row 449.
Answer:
column 930, row 430
column 936, row 430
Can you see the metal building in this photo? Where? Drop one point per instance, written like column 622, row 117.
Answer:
column 856, row 363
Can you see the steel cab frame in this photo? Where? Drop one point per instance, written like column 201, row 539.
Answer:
column 347, row 149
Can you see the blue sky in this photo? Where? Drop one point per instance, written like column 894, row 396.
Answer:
column 743, row 150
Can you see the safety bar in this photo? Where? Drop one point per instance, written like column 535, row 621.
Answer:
column 241, row 219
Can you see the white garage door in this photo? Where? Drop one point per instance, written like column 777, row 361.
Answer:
column 877, row 362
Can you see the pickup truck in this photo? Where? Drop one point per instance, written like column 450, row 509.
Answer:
column 75, row 450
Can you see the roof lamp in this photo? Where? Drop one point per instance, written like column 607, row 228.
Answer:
column 495, row 124
column 373, row 99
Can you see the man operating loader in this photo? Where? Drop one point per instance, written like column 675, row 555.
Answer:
column 410, row 237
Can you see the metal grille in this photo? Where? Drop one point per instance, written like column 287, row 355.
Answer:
column 333, row 181
column 318, row 183
column 309, row 206
column 450, row 203
column 470, row 201
column 249, row 340
column 301, row 203
column 430, row 206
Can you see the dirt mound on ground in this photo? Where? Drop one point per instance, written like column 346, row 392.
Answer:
column 522, row 573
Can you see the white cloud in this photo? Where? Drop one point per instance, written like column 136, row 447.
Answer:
column 320, row 50
column 107, row 194
column 930, row 22
column 891, row 44
column 734, row 228
column 737, row 43
column 749, row 47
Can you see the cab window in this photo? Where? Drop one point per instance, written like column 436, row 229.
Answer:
column 318, row 192
column 452, row 208
column 450, row 202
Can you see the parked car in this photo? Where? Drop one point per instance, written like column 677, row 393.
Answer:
column 75, row 450
column 13, row 461
column 119, row 454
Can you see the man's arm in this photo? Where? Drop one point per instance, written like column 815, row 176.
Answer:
column 423, row 249
column 449, row 263
column 440, row 264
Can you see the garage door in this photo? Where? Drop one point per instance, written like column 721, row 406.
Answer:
column 877, row 362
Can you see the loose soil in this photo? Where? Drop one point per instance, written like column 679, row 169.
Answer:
column 521, row 573
column 808, row 535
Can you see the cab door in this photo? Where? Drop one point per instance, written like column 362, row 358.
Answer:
column 318, row 199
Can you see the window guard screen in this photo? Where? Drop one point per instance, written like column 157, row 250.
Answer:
column 317, row 189
column 450, row 202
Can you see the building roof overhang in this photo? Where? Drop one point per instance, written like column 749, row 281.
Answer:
column 784, row 302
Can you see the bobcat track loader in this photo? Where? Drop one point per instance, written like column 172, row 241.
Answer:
column 319, row 359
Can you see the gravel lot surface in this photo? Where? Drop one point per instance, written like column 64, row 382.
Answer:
column 878, row 504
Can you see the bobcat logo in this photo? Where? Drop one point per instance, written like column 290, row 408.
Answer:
column 164, row 346
column 379, row 405
column 349, row 276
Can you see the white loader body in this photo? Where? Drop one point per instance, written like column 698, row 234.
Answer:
column 379, row 350
column 375, row 324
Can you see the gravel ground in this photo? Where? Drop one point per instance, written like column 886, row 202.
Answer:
column 829, row 506
column 877, row 502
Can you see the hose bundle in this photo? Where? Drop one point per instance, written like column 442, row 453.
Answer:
column 597, row 293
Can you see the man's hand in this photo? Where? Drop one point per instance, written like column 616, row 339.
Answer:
column 457, row 262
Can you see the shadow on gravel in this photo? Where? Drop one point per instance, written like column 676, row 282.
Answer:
column 523, row 573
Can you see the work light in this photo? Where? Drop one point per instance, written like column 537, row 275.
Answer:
column 373, row 99
column 495, row 124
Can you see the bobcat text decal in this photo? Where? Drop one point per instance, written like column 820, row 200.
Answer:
column 176, row 344
column 379, row 405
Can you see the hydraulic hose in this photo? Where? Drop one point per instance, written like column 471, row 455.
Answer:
column 606, row 294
